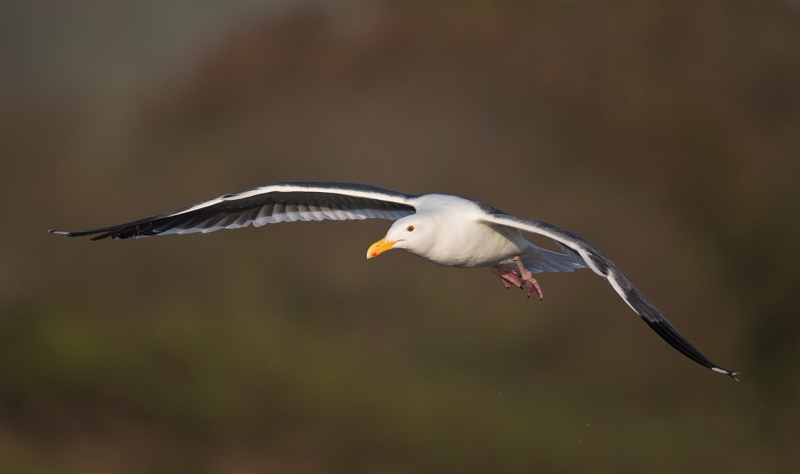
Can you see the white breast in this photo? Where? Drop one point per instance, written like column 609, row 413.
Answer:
column 462, row 240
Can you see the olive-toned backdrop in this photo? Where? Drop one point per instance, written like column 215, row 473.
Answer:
column 666, row 133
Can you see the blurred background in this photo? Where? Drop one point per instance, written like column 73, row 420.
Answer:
column 666, row 133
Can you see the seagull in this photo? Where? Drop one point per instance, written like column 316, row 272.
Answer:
column 444, row 229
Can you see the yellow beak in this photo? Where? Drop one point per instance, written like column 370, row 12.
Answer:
column 379, row 247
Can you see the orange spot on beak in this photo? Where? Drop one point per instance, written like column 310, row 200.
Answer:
column 379, row 247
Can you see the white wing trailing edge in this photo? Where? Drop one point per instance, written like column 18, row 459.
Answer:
column 282, row 202
column 600, row 264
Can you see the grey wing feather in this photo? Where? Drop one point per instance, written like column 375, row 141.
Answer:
column 282, row 202
column 579, row 249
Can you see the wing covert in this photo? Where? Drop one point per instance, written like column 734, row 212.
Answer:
column 282, row 202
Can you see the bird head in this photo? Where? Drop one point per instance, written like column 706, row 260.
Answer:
column 414, row 233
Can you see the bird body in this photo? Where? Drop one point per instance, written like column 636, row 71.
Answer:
column 447, row 230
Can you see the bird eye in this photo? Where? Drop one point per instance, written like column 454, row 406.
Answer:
column 410, row 228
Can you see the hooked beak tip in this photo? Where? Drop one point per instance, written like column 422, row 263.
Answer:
column 379, row 247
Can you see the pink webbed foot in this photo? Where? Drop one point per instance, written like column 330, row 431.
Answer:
column 519, row 278
column 508, row 275
column 527, row 278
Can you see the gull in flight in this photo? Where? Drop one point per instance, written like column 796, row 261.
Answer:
column 446, row 230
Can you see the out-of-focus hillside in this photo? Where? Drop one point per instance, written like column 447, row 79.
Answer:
column 667, row 134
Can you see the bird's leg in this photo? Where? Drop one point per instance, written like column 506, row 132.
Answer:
column 508, row 275
column 527, row 278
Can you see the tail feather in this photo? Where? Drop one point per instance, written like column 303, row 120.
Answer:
column 538, row 260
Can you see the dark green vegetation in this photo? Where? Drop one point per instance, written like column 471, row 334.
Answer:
column 665, row 134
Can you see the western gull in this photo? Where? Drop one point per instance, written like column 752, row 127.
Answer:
column 447, row 230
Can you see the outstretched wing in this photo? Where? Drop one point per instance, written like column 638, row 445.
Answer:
column 282, row 202
column 583, row 251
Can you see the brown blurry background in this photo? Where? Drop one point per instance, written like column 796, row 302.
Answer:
column 666, row 133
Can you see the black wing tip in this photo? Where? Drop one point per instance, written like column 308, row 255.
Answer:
column 79, row 233
column 674, row 338
column 730, row 374
column 66, row 233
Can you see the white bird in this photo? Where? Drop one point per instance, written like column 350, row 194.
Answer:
column 444, row 229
